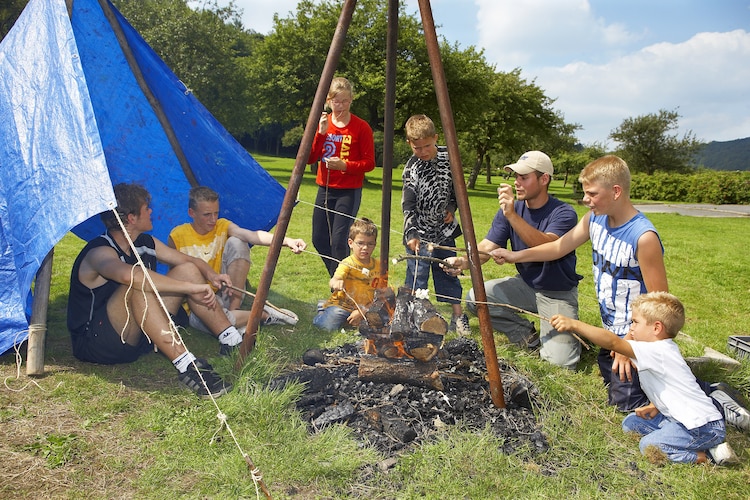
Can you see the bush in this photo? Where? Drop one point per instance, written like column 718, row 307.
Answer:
column 704, row 186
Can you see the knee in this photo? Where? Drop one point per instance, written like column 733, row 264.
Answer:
column 187, row 271
column 561, row 350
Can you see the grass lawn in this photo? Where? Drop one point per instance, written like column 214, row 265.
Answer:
column 130, row 431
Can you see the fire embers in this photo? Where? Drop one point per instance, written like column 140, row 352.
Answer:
column 392, row 416
column 402, row 326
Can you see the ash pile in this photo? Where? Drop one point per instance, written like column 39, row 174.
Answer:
column 394, row 409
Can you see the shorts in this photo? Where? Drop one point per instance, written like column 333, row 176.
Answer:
column 99, row 342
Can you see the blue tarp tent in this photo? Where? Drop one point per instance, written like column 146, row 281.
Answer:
column 85, row 103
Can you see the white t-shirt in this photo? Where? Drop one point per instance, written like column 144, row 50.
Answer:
column 670, row 385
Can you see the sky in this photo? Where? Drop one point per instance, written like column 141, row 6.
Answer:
column 603, row 60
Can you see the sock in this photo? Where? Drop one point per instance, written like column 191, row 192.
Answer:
column 231, row 336
column 182, row 362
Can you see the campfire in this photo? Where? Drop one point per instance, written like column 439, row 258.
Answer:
column 402, row 383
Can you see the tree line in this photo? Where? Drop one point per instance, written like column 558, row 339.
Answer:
column 261, row 87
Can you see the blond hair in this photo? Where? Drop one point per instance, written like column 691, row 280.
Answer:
column 607, row 171
column 419, row 127
column 340, row 85
column 363, row 226
column 663, row 307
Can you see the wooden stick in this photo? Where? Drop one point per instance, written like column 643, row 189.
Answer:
column 432, row 246
column 251, row 294
column 428, row 259
column 583, row 342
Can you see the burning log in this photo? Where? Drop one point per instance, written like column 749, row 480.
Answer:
column 403, row 371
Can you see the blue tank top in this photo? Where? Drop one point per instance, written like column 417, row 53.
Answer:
column 617, row 272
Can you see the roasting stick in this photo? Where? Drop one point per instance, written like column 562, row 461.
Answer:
column 251, row 294
column 524, row 311
column 432, row 246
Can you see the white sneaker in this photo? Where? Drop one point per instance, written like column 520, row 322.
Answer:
column 279, row 317
column 723, row 454
column 734, row 413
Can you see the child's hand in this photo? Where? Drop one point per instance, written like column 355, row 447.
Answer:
column 562, row 323
column 355, row 318
column 647, row 412
column 448, row 217
column 336, row 283
column 413, row 245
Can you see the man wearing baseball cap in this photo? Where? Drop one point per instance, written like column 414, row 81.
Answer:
column 529, row 218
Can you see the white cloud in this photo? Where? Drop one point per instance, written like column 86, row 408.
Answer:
column 538, row 32
column 704, row 78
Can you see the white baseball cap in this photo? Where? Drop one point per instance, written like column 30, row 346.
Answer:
column 531, row 161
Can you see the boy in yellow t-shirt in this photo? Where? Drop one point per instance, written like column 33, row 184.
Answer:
column 354, row 281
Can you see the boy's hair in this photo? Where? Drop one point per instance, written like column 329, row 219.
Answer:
column 419, row 127
column 663, row 307
column 339, row 85
column 201, row 193
column 363, row 226
column 130, row 199
column 607, row 171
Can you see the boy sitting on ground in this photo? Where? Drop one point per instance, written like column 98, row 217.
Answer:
column 681, row 422
column 354, row 281
column 224, row 246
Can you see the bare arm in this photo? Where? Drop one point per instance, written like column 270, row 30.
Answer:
column 264, row 238
column 530, row 235
column 598, row 336
column 173, row 257
column 102, row 264
column 551, row 250
column 462, row 262
column 651, row 260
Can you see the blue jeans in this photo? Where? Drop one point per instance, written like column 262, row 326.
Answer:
column 331, row 318
column 671, row 437
column 447, row 286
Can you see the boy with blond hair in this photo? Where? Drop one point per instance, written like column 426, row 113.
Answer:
column 682, row 421
column 428, row 201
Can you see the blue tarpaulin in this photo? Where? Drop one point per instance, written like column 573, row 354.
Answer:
column 74, row 120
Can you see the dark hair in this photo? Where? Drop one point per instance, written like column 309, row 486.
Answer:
column 130, row 200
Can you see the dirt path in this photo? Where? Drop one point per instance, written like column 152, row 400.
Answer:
column 696, row 209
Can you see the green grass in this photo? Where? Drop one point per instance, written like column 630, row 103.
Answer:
column 89, row 431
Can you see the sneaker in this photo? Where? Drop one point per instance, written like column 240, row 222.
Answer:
column 734, row 413
column 214, row 385
column 460, row 324
column 279, row 317
column 227, row 350
column 533, row 342
column 723, row 454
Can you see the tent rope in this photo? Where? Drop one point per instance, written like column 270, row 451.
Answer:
column 176, row 337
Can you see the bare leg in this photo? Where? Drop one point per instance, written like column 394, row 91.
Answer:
column 214, row 319
column 237, row 271
column 144, row 314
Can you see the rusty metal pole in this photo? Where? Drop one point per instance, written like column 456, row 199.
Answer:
column 264, row 283
column 388, row 133
column 449, row 128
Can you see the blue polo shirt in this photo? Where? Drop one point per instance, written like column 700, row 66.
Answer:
column 555, row 217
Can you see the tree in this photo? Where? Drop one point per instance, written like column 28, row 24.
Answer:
column 515, row 116
column 204, row 48
column 9, row 12
column 647, row 145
